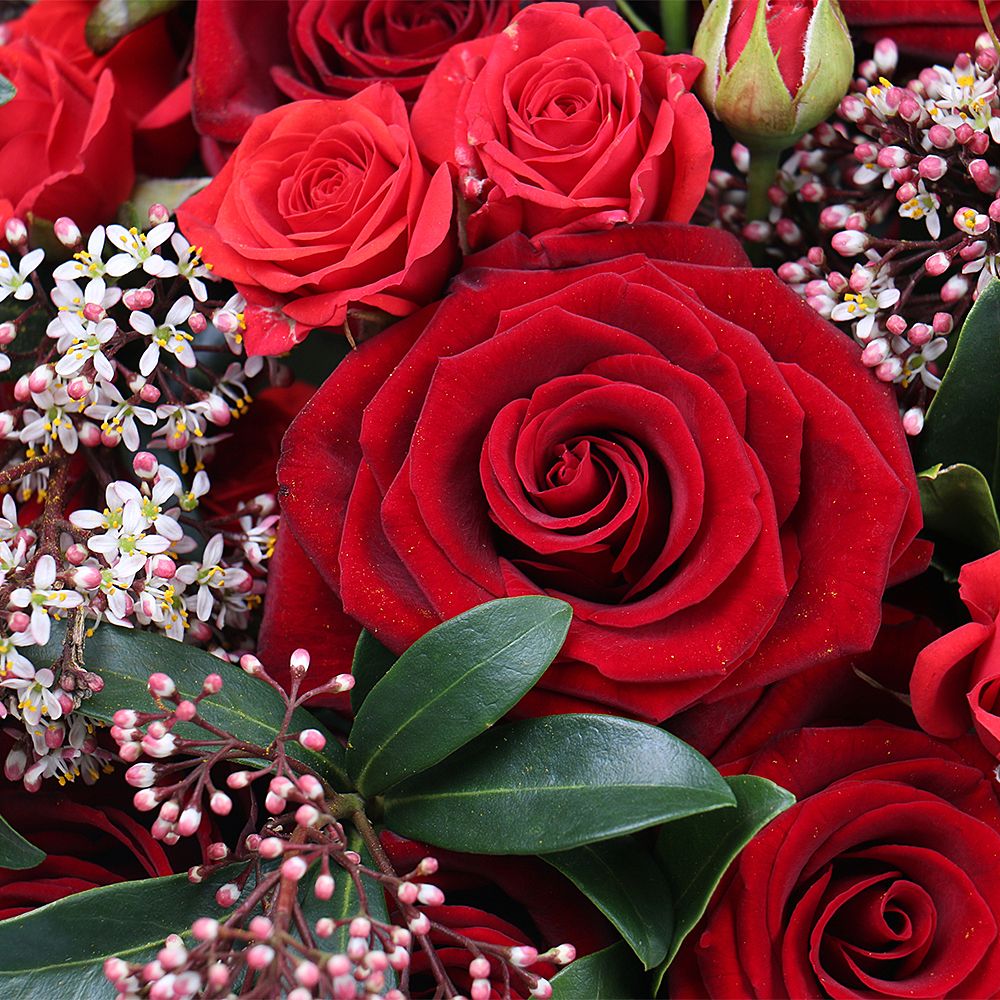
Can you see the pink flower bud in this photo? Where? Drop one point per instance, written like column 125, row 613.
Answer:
column 217, row 851
column 212, row 684
column 227, row 895
column 307, row 974
column 479, row 968
column 937, row 263
column 341, row 683
column 542, row 989
column 18, row 621
column 979, row 143
column 920, row 334
column 162, row 566
column 225, row 322
column 115, row 970
column 480, row 990
column 145, row 800
column 943, row 323
column 218, row 410
column 399, row 959
column 896, row 325
column 161, row 686
column 849, row 243
column 964, row 132
column 261, row 927
column 941, row 136
column 892, row 156
column 260, row 956
column 324, row 929
column 407, row 892
column 197, row 322
column 189, row 822
column 138, row 298
column 16, row 231
column 141, row 775
column 218, row 976
column 87, row 578
column 324, row 887
column 271, row 847
column 312, row 739
column 79, row 387
column 129, row 753
column 185, row 711
column 238, row 779
column 757, row 231
column 419, row 925
column 932, row 168
column 913, row 421
column 337, row 965
column 792, row 272
column 158, row 214
column 250, row 664
column 307, row 815
column 954, row 288
column 145, row 465
column 909, row 109
column 523, row 956
column 7, row 333
column 430, row 895
column 309, row 786
column 889, row 370
column 67, row 232
column 875, row 352
column 90, row 435
column 41, row 378
column 294, row 868
column 205, row 929
column 852, row 108
column 299, row 662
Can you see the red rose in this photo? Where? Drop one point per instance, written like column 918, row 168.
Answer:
column 324, row 205
column 938, row 30
column 541, row 908
column 879, row 882
column 65, row 141
column 563, row 123
column 88, row 845
column 956, row 680
column 250, row 56
column 150, row 82
column 601, row 417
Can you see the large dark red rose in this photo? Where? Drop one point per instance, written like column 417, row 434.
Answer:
column 252, row 55
column 65, row 139
column 956, row 680
column 879, row 882
column 88, row 844
column 635, row 421
column 151, row 81
column 563, row 123
column 935, row 31
column 499, row 901
column 325, row 205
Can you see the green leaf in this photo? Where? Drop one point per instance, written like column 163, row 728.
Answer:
column 167, row 191
column 245, row 706
column 451, row 685
column 543, row 785
column 695, row 852
column 59, row 949
column 111, row 20
column 7, row 91
column 611, row 974
column 371, row 663
column 346, row 902
column 958, row 506
column 962, row 421
column 15, row 851
column 623, row 881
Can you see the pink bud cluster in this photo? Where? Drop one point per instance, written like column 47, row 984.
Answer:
column 265, row 945
column 906, row 188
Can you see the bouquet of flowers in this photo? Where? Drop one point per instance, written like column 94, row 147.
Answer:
column 499, row 499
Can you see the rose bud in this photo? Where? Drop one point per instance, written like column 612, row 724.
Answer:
column 773, row 71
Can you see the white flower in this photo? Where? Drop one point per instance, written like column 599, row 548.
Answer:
column 166, row 336
column 139, row 250
column 115, row 583
column 191, row 267
column 8, row 523
column 259, row 537
column 33, row 690
column 87, row 346
column 881, row 293
column 52, row 424
column 16, row 283
column 924, row 205
column 130, row 540
column 43, row 597
column 9, row 656
column 162, row 603
column 71, row 301
column 10, row 559
column 118, row 417
column 85, row 262
column 211, row 576
column 916, row 364
column 230, row 322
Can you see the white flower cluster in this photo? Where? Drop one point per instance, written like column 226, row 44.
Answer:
column 120, row 365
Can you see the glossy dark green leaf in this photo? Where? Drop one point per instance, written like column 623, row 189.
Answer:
column 245, row 706
column 111, row 20
column 695, row 852
column 962, row 421
column 623, row 881
column 611, row 974
column 958, row 506
column 58, row 950
column 451, row 685
column 15, row 851
column 371, row 663
column 543, row 785
column 346, row 901
column 7, row 91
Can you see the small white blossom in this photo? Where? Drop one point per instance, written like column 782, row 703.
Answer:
column 15, row 282
column 43, row 597
column 139, row 250
column 85, row 263
column 191, row 267
column 165, row 336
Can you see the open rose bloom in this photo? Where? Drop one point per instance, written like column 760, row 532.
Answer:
column 498, row 499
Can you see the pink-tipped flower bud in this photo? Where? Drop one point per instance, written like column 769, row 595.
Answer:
column 892, row 156
column 792, row 272
column 161, row 686
column 18, row 621
column 852, row 108
column 238, row 779
column 162, row 566
column 937, row 263
column 978, row 144
column 185, row 711
column 227, row 895
column 16, row 231
column 956, row 287
column 87, row 578
column 913, row 421
column 212, row 684
column 189, row 822
column 875, row 352
column 909, row 109
column 849, row 243
column 479, row 967
column 145, row 800
column 158, row 214
column 7, row 333
column 138, row 298
column 197, row 323
column 79, row 387
column 205, row 929
column 309, row 786
column 67, row 232
column 757, row 231
column 341, row 683
column 964, row 132
column 324, row 929
column 480, row 990
column 312, row 739
column 932, row 168
column 307, row 815
column 542, row 989
column 523, row 956
column 943, row 323
column 251, row 665
column 145, row 465
column 941, row 136
column 889, row 370
column 271, row 847
column 225, row 322
column 920, row 334
column 299, row 662
column 994, row 210
column 217, row 851
column 41, row 378
column 896, row 325
column 419, row 925
column 259, row 956
column 307, row 974
column 905, row 192
column 430, row 895
column 886, row 56
column 115, row 970
column 90, row 435
column 294, row 868
column 149, row 393
column 261, row 927
column 407, row 892
column 324, row 887
column 218, row 976
column 22, row 392
column 141, row 775
column 982, row 176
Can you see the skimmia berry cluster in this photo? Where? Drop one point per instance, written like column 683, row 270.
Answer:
column 285, row 934
column 887, row 220
column 119, row 348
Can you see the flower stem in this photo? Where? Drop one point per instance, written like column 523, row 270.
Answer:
column 763, row 170
column 985, row 14
column 674, row 24
column 626, row 11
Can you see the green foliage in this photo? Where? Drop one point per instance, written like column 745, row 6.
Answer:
column 371, row 663
column 451, row 685
column 611, row 974
column 15, row 851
